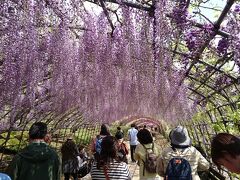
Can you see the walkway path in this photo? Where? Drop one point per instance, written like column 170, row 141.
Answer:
column 133, row 167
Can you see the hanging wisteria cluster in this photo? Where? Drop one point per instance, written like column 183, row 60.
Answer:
column 57, row 57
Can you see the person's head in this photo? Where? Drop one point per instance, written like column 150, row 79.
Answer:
column 70, row 136
column 179, row 137
column 108, row 151
column 105, row 130
column 48, row 138
column 38, row 130
column 144, row 136
column 119, row 136
column 144, row 126
column 133, row 125
column 81, row 147
column 225, row 151
column 69, row 149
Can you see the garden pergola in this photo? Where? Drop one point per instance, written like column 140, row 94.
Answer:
column 77, row 63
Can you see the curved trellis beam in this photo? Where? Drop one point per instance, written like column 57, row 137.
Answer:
column 199, row 51
column 213, row 93
column 131, row 119
column 235, row 80
column 217, row 25
column 151, row 9
column 217, row 66
column 146, row 121
column 212, row 88
column 203, row 96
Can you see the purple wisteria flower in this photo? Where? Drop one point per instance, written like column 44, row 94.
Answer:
column 179, row 16
column 237, row 8
column 192, row 39
column 61, row 59
column 222, row 47
column 208, row 29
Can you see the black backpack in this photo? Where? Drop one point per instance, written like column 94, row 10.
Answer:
column 85, row 169
column 178, row 169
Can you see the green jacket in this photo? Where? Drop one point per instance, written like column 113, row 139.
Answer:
column 37, row 161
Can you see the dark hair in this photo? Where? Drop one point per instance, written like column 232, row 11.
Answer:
column 144, row 126
column 133, row 125
column 81, row 147
column 38, row 130
column 108, row 151
column 144, row 136
column 69, row 150
column 104, row 130
column 223, row 144
column 119, row 135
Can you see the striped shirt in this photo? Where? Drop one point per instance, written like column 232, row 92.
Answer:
column 116, row 170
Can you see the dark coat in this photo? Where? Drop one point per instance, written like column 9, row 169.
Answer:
column 37, row 161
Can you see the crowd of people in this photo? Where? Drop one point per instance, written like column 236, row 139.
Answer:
column 38, row 161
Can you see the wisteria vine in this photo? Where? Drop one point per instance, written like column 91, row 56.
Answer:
column 56, row 56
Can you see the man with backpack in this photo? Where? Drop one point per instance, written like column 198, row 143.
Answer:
column 146, row 154
column 181, row 159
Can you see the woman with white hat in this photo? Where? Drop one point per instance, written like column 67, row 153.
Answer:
column 181, row 148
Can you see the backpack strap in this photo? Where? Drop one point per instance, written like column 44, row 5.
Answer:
column 119, row 146
column 179, row 153
column 181, row 149
column 152, row 148
column 125, row 148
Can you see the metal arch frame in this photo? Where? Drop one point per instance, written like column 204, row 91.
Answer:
column 141, row 120
column 224, row 95
column 134, row 118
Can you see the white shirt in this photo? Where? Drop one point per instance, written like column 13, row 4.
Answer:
column 132, row 134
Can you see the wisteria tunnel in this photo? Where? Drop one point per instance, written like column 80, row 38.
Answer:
column 75, row 64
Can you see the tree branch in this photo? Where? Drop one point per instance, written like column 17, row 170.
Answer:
column 107, row 15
